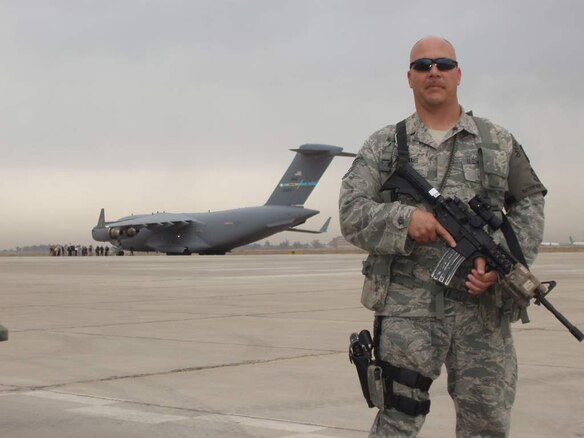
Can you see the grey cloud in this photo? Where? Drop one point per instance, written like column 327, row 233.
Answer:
column 132, row 86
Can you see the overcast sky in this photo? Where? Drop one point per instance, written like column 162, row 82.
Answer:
column 189, row 106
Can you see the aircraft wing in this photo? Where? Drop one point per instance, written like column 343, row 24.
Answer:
column 155, row 220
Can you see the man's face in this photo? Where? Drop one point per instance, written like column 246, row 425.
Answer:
column 434, row 88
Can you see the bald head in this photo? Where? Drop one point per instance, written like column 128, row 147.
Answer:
column 435, row 84
column 429, row 45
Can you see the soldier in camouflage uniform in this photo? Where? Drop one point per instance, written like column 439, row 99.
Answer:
column 424, row 324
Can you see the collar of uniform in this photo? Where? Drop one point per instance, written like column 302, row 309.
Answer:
column 418, row 131
column 466, row 123
column 416, row 128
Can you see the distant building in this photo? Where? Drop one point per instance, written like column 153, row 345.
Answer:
column 341, row 244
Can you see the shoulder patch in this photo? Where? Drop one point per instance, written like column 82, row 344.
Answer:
column 523, row 180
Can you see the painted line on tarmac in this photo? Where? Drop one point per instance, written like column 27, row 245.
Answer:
column 258, row 422
column 72, row 398
column 99, row 407
column 102, row 407
column 127, row 414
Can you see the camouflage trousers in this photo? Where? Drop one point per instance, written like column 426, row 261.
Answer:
column 480, row 362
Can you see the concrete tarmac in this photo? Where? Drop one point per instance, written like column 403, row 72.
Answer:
column 235, row 346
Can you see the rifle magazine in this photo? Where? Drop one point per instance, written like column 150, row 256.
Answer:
column 447, row 266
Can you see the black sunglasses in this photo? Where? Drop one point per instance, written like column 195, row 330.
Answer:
column 425, row 64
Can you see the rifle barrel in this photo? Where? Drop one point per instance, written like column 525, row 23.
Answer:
column 571, row 327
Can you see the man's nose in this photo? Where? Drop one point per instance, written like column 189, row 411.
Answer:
column 434, row 69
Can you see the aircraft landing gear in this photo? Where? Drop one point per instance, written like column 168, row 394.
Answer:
column 185, row 252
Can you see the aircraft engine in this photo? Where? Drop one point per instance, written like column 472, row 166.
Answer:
column 100, row 234
column 117, row 233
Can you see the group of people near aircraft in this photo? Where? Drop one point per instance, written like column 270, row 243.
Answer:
column 79, row 250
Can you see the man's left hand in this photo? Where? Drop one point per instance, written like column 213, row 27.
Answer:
column 480, row 279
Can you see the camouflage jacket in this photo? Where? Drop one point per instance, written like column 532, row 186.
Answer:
column 371, row 221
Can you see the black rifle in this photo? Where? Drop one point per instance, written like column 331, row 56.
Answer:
column 466, row 225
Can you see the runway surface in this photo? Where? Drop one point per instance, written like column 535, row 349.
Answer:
column 235, row 346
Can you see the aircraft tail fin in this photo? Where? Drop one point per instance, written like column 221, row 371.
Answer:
column 323, row 229
column 308, row 165
column 101, row 220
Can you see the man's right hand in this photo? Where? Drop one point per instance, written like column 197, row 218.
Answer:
column 424, row 227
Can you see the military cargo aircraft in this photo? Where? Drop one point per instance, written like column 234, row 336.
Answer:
column 219, row 232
